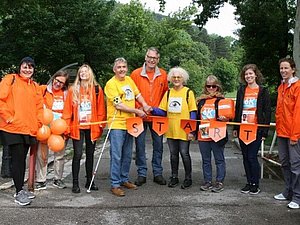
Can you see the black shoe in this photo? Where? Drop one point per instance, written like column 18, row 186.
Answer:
column 186, row 184
column 75, row 189
column 93, row 187
column 140, row 181
column 246, row 189
column 173, row 182
column 160, row 180
column 254, row 189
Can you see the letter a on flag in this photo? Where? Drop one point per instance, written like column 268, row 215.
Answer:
column 217, row 130
column 188, row 125
column 160, row 124
column 134, row 126
column 248, row 133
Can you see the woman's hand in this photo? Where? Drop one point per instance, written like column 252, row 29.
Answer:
column 223, row 119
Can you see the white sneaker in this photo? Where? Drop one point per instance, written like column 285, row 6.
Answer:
column 293, row 205
column 280, row 197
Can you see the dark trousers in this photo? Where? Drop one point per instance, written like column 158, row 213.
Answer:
column 251, row 164
column 18, row 158
column 177, row 146
column 6, row 162
column 85, row 135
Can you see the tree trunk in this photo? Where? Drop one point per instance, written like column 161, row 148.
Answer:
column 296, row 47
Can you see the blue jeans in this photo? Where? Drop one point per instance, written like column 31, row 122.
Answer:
column 157, row 143
column 206, row 147
column 120, row 156
column 250, row 161
column 177, row 146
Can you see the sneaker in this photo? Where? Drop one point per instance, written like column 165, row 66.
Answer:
column 173, row 182
column 22, row 198
column 59, row 184
column 207, row 186
column 187, row 183
column 246, row 189
column 293, row 205
column 160, row 180
column 280, row 197
column 254, row 189
column 29, row 194
column 140, row 181
column 40, row 186
column 218, row 187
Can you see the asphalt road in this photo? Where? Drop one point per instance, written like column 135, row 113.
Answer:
column 152, row 203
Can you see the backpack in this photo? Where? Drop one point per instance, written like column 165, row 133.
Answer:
column 187, row 95
column 200, row 104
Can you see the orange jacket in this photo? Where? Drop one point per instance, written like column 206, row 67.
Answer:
column 20, row 100
column 70, row 114
column 288, row 110
column 152, row 91
column 48, row 96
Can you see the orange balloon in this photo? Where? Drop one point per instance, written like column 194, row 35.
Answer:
column 47, row 116
column 58, row 126
column 56, row 143
column 43, row 133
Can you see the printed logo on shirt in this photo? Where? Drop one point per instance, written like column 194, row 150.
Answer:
column 129, row 95
column 58, row 103
column 208, row 112
column 175, row 105
column 85, row 111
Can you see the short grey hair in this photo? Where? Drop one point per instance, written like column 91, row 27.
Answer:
column 180, row 71
column 118, row 60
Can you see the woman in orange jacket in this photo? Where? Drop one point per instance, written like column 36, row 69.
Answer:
column 54, row 95
column 21, row 110
column 288, row 132
column 84, row 105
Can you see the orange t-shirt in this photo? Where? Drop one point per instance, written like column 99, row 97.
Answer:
column 250, row 105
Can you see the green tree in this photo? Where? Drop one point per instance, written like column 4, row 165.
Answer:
column 227, row 73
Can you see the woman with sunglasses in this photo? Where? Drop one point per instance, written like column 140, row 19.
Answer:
column 84, row 105
column 212, row 92
column 253, row 105
column 54, row 94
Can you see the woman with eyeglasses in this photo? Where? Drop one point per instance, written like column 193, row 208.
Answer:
column 54, row 95
column 84, row 105
column 21, row 110
column 253, row 105
column 178, row 103
column 206, row 104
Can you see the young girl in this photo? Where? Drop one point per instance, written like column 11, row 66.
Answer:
column 84, row 104
column 253, row 105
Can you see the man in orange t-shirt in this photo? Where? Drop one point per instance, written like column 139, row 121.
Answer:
column 152, row 83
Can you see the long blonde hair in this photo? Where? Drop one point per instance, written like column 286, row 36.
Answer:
column 87, row 86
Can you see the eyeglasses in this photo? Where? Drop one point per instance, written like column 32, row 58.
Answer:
column 151, row 57
column 176, row 77
column 211, row 86
column 58, row 81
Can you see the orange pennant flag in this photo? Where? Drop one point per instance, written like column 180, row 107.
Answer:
column 248, row 133
column 217, row 130
column 160, row 124
column 134, row 126
column 188, row 125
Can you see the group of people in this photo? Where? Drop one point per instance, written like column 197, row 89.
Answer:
column 146, row 93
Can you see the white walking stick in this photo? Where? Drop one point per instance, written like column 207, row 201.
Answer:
column 101, row 153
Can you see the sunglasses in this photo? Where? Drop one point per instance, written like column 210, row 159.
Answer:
column 211, row 86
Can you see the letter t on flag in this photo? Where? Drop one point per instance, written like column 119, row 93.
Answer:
column 160, row 124
column 248, row 133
